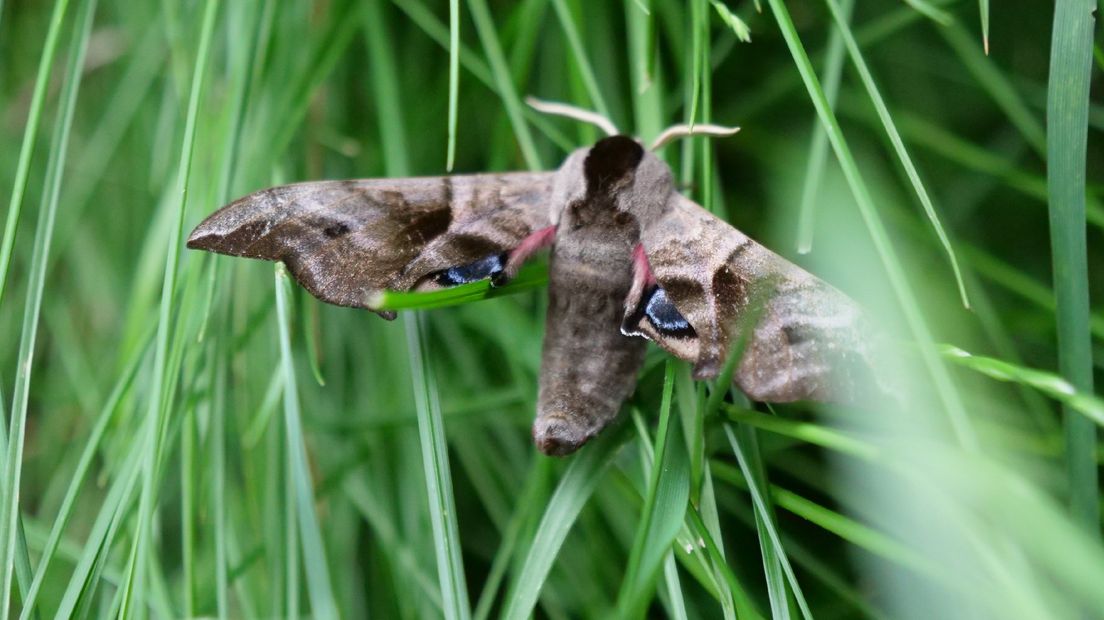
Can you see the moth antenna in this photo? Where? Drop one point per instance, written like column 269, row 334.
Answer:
column 683, row 130
column 570, row 111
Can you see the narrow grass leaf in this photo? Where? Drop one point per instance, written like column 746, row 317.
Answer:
column 473, row 64
column 218, row 446
column 983, row 8
column 858, row 534
column 84, row 464
column 290, row 555
column 573, row 491
column 85, row 577
column 857, row 59
column 745, row 607
column 14, row 555
column 531, row 276
column 699, row 22
column 578, row 51
column 944, row 388
column 484, row 26
column 319, row 585
column 30, row 135
column 424, row 18
column 454, row 80
column 527, row 504
column 1053, row 385
column 818, row 146
column 1067, row 135
column 664, row 507
column 677, row 605
column 371, row 506
column 981, row 159
column 805, row 431
column 442, row 504
column 134, row 587
column 751, row 466
column 188, row 439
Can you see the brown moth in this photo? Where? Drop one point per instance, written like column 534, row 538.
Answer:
column 630, row 257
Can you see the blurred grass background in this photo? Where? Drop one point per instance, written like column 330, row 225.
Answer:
column 184, row 435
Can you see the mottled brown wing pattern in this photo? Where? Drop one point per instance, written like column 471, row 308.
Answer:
column 808, row 338
column 343, row 240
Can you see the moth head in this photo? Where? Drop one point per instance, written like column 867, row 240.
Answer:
column 636, row 181
column 619, row 167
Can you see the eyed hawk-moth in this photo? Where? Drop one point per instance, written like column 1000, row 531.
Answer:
column 631, row 259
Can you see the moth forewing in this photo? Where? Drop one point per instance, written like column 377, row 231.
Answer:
column 346, row 240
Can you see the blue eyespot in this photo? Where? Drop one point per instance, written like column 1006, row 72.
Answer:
column 665, row 316
column 483, row 268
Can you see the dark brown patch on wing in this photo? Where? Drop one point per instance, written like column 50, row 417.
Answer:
column 428, row 225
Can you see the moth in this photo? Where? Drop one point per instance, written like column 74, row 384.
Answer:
column 631, row 259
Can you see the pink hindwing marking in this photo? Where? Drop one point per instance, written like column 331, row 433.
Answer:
column 535, row 242
column 642, row 280
column 642, row 271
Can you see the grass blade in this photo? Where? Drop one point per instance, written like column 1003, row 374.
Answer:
column 983, row 8
column 84, row 579
column 13, row 553
column 1055, row 386
column 442, row 505
column 856, row 533
column 572, row 493
column 664, row 507
column 531, row 276
column 319, row 586
column 944, row 388
column 485, row 27
column 738, row 26
column 752, row 469
column 567, row 22
column 857, row 59
column 533, row 493
column 699, row 23
column 1067, row 135
column 744, row 607
column 134, row 587
column 806, row 432
column 30, row 134
column 84, row 464
column 454, row 79
column 818, row 147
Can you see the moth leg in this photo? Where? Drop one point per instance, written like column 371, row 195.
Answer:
column 535, row 242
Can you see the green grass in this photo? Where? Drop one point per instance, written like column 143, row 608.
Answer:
column 1067, row 128
column 186, row 435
